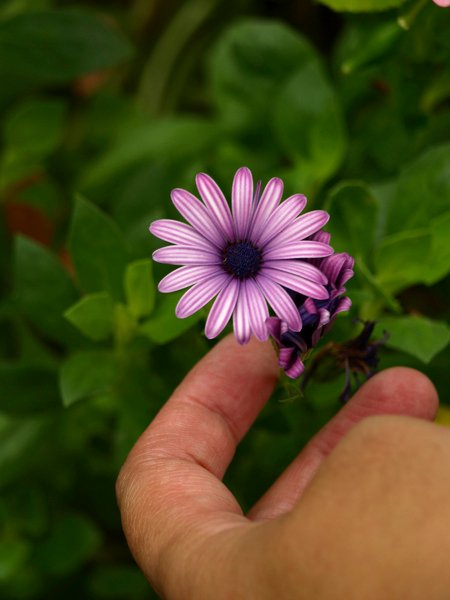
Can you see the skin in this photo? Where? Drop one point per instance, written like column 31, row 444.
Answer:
column 362, row 513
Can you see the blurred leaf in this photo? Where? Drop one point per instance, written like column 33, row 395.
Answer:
column 418, row 336
column 249, row 64
column 43, row 289
column 125, row 324
column 31, row 132
column 119, row 581
column 13, row 554
column 35, row 126
column 361, row 5
column 93, row 315
column 439, row 261
column 17, row 440
column 98, row 250
column 377, row 289
column 73, row 540
column 86, row 374
column 402, row 259
column 28, row 389
column 308, row 122
column 54, row 47
column 140, row 287
column 353, row 222
column 380, row 42
column 423, row 190
column 165, row 139
column 164, row 326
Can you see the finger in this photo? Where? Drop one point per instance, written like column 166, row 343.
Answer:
column 170, row 482
column 396, row 391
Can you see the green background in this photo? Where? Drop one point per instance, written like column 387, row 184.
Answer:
column 104, row 108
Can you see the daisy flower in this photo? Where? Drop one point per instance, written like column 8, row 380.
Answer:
column 317, row 315
column 246, row 257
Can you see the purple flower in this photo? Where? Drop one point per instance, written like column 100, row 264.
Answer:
column 248, row 256
column 317, row 315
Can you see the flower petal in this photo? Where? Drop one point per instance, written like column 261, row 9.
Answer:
column 241, row 318
column 199, row 295
column 179, row 233
column 186, row 255
column 242, row 202
column 269, row 201
column 258, row 310
column 281, row 218
column 296, row 369
column 281, row 302
column 301, row 228
column 221, row 310
column 218, row 207
column 186, row 276
column 197, row 215
column 303, row 249
column 298, row 267
column 296, row 283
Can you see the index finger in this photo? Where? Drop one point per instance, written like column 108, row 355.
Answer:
column 170, row 482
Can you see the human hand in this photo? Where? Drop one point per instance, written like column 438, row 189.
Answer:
column 363, row 512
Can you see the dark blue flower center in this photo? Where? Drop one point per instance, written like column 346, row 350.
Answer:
column 242, row 259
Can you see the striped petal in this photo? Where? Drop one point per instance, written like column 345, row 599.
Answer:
column 222, row 309
column 242, row 202
column 186, row 276
column 241, row 316
column 269, row 201
column 197, row 215
column 281, row 217
column 199, row 295
column 281, row 302
column 301, row 228
column 258, row 310
column 296, row 369
column 218, row 207
column 296, row 283
column 298, row 267
column 186, row 255
column 179, row 233
column 304, row 249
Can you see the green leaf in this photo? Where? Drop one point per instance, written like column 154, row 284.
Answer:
column 86, row 374
column 118, row 581
column 353, row 222
column 98, row 250
column 162, row 140
column 308, row 122
column 418, row 336
column 164, row 326
column 18, row 439
column 423, row 190
column 439, row 262
column 43, row 289
column 53, row 47
column 378, row 44
column 402, row 259
column 72, row 542
column 35, row 126
column 361, row 5
column 140, row 287
column 28, row 389
column 13, row 554
column 250, row 62
column 93, row 315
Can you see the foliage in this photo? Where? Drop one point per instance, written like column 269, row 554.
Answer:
column 103, row 111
